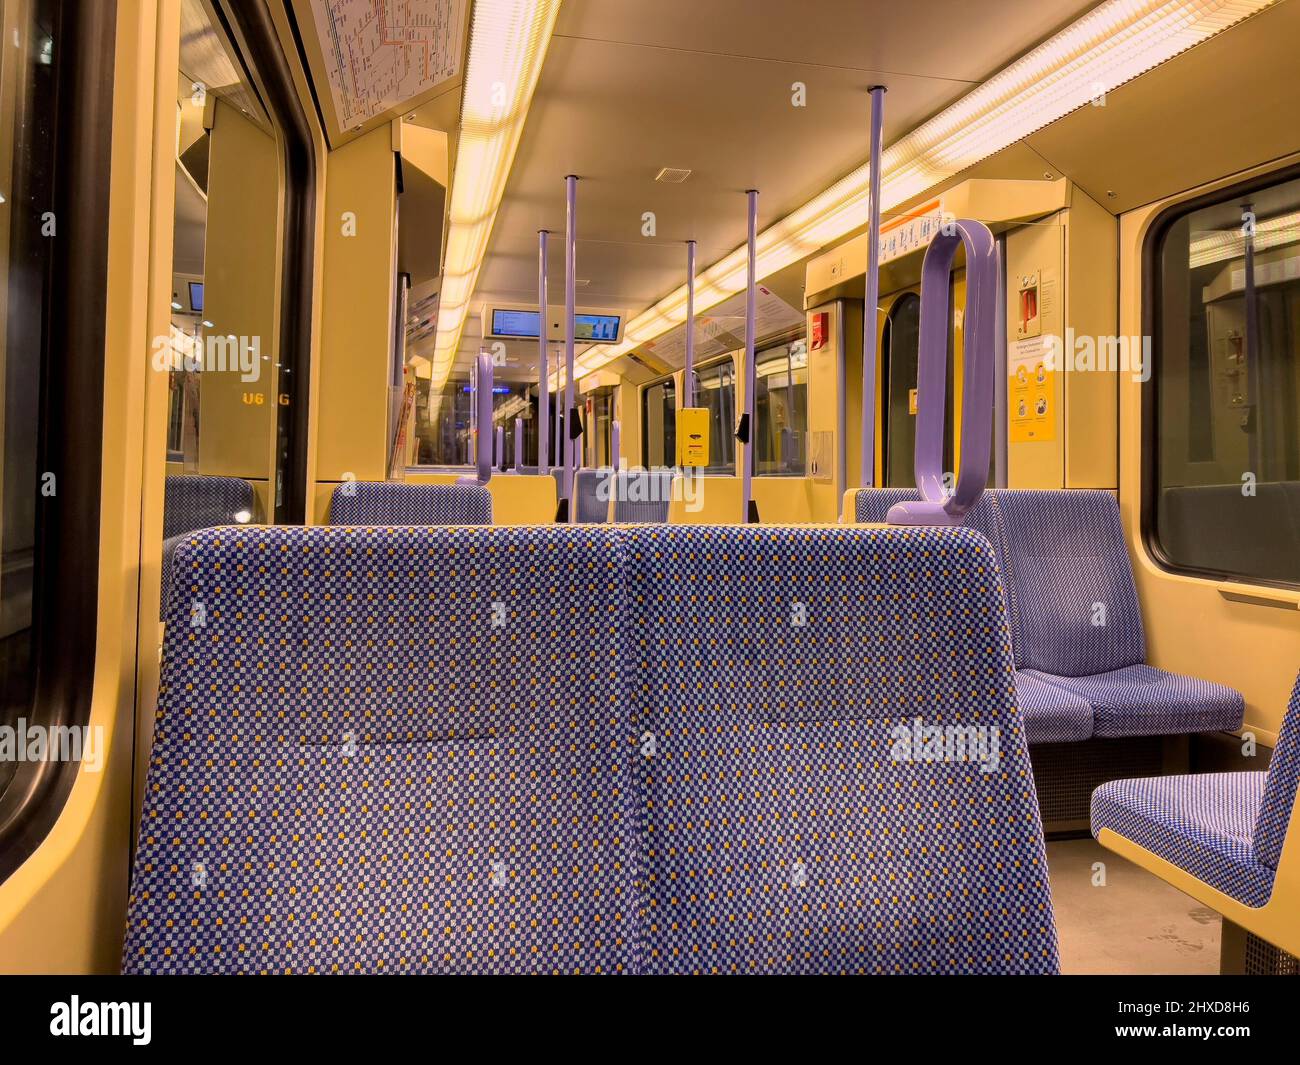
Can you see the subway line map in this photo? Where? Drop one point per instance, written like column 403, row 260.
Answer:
column 381, row 53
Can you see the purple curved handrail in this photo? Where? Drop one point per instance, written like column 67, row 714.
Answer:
column 482, row 425
column 936, row 506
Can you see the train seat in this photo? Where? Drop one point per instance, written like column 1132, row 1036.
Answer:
column 199, row 501
column 800, row 810
column 591, row 491
column 1077, row 624
column 1223, row 831
column 642, row 495
column 353, row 770
column 1052, row 714
column 399, row 503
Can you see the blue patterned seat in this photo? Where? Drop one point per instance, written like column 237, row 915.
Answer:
column 352, row 769
column 582, row 749
column 1076, row 625
column 1052, row 714
column 790, row 824
column 200, row 501
column 399, row 503
column 1224, row 828
column 643, row 495
column 591, row 492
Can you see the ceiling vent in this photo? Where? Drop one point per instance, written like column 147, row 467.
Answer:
column 671, row 175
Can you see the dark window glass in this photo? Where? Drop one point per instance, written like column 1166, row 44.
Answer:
column 1226, row 427
column 781, row 409
column 715, row 389
column 659, row 424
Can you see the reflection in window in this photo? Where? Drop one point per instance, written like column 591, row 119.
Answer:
column 443, row 427
column 659, row 424
column 1227, row 387
column 715, row 389
column 781, row 409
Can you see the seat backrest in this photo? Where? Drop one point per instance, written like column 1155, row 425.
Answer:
column 1280, row 786
column 388, row 749
column 200, row 501
column 591, row 491
column 1074, row 606
column 399, row 503
column 872, row 505
column 823, row 788
column 643, row 495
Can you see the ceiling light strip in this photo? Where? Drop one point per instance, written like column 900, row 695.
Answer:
column 1111, row 45
column 508, row 43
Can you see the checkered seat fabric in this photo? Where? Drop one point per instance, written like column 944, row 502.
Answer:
column 390, row 750
column 591, row 491
column 399, row 503
column 795, row 688
column 1052, row 714
column 1280, row 792
column 1202, row 823
column 199, row 501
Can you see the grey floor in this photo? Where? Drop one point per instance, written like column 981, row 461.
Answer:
column 1131, row 923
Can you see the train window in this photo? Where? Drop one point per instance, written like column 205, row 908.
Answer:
column 443, row 427
column 781, row 408
column 1223, row 403
column 659, row 423
column 55, row 148
column 715, row 389
column 229, row 375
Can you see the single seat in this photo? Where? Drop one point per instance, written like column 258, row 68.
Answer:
column 1221, row 831
column 1052, row 714
column 591, row 491
column 422, row 738
column 643, row 495
column 1077, row 624
column 199, row 501
column 801, row 812
column 399, row 503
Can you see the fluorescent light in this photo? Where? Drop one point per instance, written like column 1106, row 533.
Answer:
column 508, row 42
column 1219, row 244
column 1111, row 45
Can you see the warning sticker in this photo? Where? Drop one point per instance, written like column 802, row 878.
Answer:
column 1031, row 392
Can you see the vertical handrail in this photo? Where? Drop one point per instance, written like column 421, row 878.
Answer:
column 519, row 445
column 481, row 419
column 543, row 371
column 937, row 506
column 499, row 455
column 688, row 380
column 1253, row 422
column 870, row 308
column 615, row 432
column 570, row 281
column 746, row 433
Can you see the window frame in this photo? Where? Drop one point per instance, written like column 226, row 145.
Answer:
column 1152, row 317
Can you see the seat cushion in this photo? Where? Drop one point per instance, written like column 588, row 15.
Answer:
column 1145, row 701
column 1052, row 714
column 398, row 503
column 1202, row 823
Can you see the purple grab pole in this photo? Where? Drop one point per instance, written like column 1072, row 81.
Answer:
column 936, row 507
column 519, row 445
column 543, row 382
column 481, row 419
column 870, row 310
column 751, row 378
column 688, row 380
column 570, row 268
column 614, row 434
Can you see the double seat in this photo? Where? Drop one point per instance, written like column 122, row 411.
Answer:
column 1077, row 637
column 645, row 749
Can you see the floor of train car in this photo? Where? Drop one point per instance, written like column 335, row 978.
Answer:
column 1136, row 924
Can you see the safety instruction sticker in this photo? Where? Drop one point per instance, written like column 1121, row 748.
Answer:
column 1031, row 392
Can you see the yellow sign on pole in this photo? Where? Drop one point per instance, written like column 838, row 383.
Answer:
column 693, row 436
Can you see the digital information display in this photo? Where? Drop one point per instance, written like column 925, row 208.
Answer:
column 196, row 297
column 522, row 325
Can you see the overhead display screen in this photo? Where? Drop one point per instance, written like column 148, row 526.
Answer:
column 522, row 325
